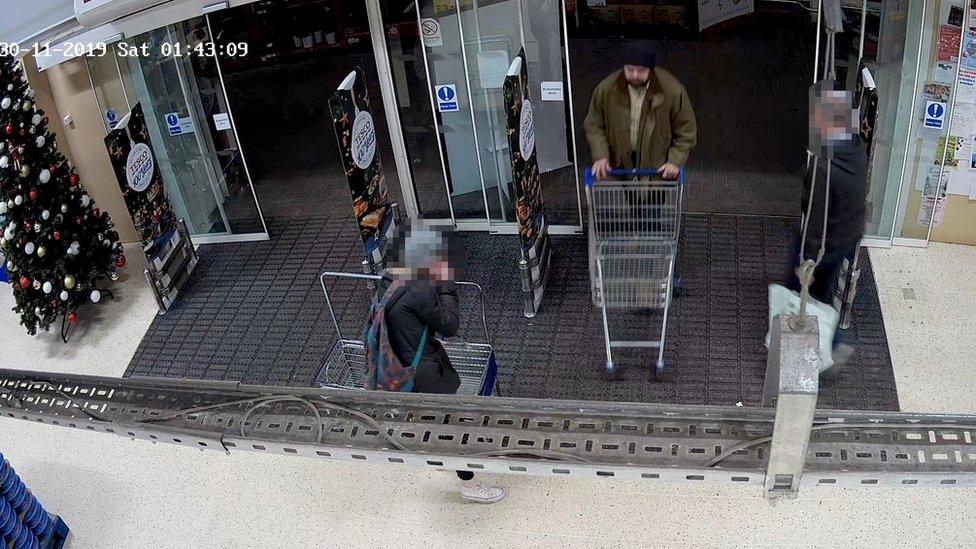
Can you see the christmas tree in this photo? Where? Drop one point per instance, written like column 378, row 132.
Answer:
column 57, row 244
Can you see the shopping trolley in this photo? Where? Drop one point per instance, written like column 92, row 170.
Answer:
column 345, row 365
column 634, row 221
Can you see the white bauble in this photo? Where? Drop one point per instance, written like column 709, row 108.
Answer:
column 96, row 296
column 37, row 119
column 107, row 242
column 45, row 174
column 64, row 295
column 5, row 104
column 40, row 141
column 10, row 266
column 4, row 161
column 45, row 215
column 29, row 248
column 85, row 200
column 37, row 312
column 8, row 233
column 31, row 93
column 3, row 207
column 18, row 200
column 47, row 287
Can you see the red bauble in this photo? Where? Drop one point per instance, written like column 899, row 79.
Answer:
column 24, row 283
column 120, row 260
column 72, row 317
column 9, row 129
column 78, row 220
column 53, row 168
column 73, row 180
column 28, row 225
column 45, row 121
column 33, row 194
column 96, row 212
column 56, row 235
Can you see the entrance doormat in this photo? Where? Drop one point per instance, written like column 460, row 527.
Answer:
column 255, row 312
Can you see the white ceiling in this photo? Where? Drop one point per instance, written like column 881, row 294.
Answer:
column 23, row 19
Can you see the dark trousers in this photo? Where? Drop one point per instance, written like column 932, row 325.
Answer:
column 825, row 275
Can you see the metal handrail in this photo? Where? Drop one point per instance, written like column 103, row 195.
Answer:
column 375, row 278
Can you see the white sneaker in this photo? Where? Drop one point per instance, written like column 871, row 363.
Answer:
column 482, row 494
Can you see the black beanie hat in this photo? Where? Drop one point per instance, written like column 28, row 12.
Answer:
column 638, row 52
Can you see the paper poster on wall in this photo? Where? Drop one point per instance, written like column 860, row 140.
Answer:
column 526, row 183
column 933, row 91
column 949, row 36
column 130, row 151
column 949, row 153
column 955, row 16
column 962, row 120
column 928, row 205
column 969, row 49
column 356, row 134
column 966, row 91
column 944, row 73
column 928, row 182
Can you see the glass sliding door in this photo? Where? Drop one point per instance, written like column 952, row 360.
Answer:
column 191, row 128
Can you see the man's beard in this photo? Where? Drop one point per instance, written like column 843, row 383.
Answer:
column 638, row 83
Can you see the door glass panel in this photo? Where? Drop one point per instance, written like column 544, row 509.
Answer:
column 461, row 155
column 545, row 47
column 300, row 51
column 190, row 125
column 161, row 84
column 492, row 38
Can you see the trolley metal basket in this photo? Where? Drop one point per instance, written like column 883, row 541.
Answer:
column 634, row 222
column 345, row 365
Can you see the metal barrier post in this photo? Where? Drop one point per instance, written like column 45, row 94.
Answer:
column 792, row 381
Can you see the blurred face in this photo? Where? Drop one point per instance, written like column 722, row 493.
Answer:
column 440, row 271
column 637, row 75
column 832, row 118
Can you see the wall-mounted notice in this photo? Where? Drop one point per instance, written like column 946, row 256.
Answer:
column 935, row 113
column 178, row 125
column 552, row 91
column 430, row 29
column 446, row 98
column 949, row 36
column 221, row 121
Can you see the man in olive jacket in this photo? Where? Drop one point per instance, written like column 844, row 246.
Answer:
column 640, row 117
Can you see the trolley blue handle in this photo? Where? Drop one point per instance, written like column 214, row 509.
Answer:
column 590, row 179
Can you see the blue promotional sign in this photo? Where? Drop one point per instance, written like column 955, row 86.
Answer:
column 446, row 98
column 935, row 114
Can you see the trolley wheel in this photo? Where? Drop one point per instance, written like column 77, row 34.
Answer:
column 659, row 371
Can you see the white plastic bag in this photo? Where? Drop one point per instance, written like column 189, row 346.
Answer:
column 783, row 301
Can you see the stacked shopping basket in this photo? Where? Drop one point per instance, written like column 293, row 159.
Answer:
column 24, row 524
